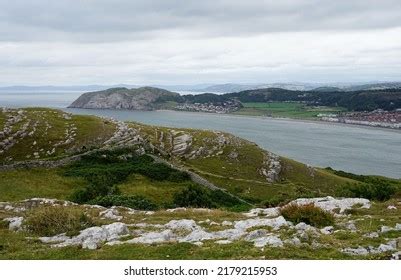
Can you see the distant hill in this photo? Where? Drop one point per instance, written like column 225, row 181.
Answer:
column 231, row 87
column 144, row 98
column 150, row 98
column 363, row 100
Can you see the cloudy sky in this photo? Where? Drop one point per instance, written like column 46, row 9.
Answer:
column 76, row 42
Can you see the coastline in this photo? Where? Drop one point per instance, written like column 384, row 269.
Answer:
column 288, row 119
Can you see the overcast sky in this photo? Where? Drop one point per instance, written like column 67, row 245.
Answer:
column 76, row 42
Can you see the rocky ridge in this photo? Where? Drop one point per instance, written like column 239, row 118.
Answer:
column 263, row 227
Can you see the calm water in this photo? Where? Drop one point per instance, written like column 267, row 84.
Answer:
column 38, row 99
column 361, row 150
column 356, row 149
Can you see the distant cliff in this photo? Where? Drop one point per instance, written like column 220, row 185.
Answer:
column 144, row 98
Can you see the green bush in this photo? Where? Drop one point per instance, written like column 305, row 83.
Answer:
column 91, row 192
column 133, row 201
column 52, row 220
column 309, row 214
column 194, row 196
column 197, row 196
column 376, row 190
column 105, row 170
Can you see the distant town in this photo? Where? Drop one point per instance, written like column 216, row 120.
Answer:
column 377, row 118
column 225, row 107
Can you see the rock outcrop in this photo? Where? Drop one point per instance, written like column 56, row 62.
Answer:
column 145, row 98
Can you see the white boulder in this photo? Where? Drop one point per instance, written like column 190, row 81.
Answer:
column 330, row 203
column 15, row 223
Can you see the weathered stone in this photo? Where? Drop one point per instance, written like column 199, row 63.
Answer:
column 272, row 241
column 89, row 238
column 189, row 225
column 226, row 223
column 268, row 212
column 256, row 234
column 396, row 256
column 327, row 230
column 293, row 241
column 330, row 204
column 197, row 235
column 54, row 239
column 223, row 242
column 360, row 251
column 111, row 213
column 274, row 223
column 15, row 223
column 371, row 235
column 350, row 226
column 154, row 237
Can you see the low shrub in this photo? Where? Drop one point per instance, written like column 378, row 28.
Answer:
column 197, row 196
column 91, row 192
column 194, row 196
column 376, row 190
column 131, row 201
column 52, row 220
column 309, row 214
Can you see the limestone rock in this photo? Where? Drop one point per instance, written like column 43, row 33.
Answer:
column 89, row 238
column 360, row 251
column 327, row 230
column 111, row 213
column 268, row 212
column 154, row 237
column 274, row 223
column 15, row 223
column 272, row 241
column 185, row 224
column 330, row 204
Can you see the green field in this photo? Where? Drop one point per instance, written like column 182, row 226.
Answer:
column 285, row 110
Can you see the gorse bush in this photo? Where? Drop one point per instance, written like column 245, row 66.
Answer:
column 52, row 220
column 105, row 170
column 131, row 201
column 309, row 214
column 109, row 169
column 194, row 196
column 378, row 190
column 197, row 196
column 91, row 192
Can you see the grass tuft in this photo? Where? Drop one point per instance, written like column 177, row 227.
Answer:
column 309, row 214
column 53, row 220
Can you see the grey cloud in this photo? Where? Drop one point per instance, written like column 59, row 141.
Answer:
column 99, row 20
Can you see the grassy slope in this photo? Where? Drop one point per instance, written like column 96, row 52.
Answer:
column 285, row 109
column 90, row 131
column 240, row 176
column 22, row 184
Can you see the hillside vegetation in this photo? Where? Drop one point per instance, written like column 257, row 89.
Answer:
column 184, row 158
column 115, row 190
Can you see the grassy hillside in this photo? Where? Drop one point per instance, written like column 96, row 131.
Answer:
column 39, row 133
column 232, row 164
column 177, row 194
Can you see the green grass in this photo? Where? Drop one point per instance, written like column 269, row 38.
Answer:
column 14, row 245
column 91, row 132
column 285, row 109
column 23, row 184
column 158, row 191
